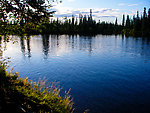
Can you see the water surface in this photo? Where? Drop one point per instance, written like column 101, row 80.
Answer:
column 106, row 74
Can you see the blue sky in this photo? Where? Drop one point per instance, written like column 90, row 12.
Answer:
column 104, row 10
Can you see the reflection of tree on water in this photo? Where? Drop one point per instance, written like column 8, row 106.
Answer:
column 60, row 44
column 85, row 43
column 65, row 43
column 90, row 45
column 22, row 45
column 137, row 46
column 146, row 40
column 69, row 43
column 54, row 43
column 23, row 48
column 57, row 38
column 28, row 47
column 73, row 42
column 45, row 41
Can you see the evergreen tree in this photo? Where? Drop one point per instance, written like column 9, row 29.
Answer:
column 144, row 23
column 149, row 15
column 116, row 23
column 128, row 22
column 149, row 22
column 123, row 20
column 137, row 25
column 72, row 20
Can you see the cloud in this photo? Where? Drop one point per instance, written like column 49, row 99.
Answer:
column 103, row 14
column 132, row 4
column 124, row 4
column 62, row 11
column 121, row 4
column 105, row 10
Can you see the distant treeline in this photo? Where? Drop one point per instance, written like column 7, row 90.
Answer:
column 138, row 26
column 83, row 25
column 86, row 25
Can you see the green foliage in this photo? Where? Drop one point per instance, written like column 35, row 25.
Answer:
column 35, row 94
column 86, row 26
column 138, row 26
column 24, row 11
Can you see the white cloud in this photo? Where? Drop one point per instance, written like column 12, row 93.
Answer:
column 62, row 11
column 132, row 4
column 121, row 4
column 124, row 4
column 103, row 14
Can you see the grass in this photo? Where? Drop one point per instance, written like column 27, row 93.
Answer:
column 32, row 96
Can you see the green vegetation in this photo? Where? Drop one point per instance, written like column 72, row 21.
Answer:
column 19, row 17
column 25, row 11
column 31, row 96
column 22, row 17
column 57, row 27
column 138, row 26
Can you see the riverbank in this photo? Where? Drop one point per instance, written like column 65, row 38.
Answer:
column 20, row 95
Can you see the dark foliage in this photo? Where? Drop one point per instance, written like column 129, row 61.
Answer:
column 138, row 26
column 84, row 25
column 32, row 17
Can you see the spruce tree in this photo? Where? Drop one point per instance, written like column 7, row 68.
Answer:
column 123, row 20
column 116, row 22
column 144, row 23
column 137, row 26
column 128, row 22
column 149, row 22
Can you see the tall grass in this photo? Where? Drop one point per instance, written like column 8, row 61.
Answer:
column 36, row 97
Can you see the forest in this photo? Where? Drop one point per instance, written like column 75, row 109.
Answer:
column 32, row 17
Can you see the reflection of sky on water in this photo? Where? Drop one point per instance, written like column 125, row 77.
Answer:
column 55, row 45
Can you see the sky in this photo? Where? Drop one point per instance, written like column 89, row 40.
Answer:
column 103, row 10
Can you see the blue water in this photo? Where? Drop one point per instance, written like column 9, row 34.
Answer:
column 106, row 74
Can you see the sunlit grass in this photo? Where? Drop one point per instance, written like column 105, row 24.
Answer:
column 46, row 99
